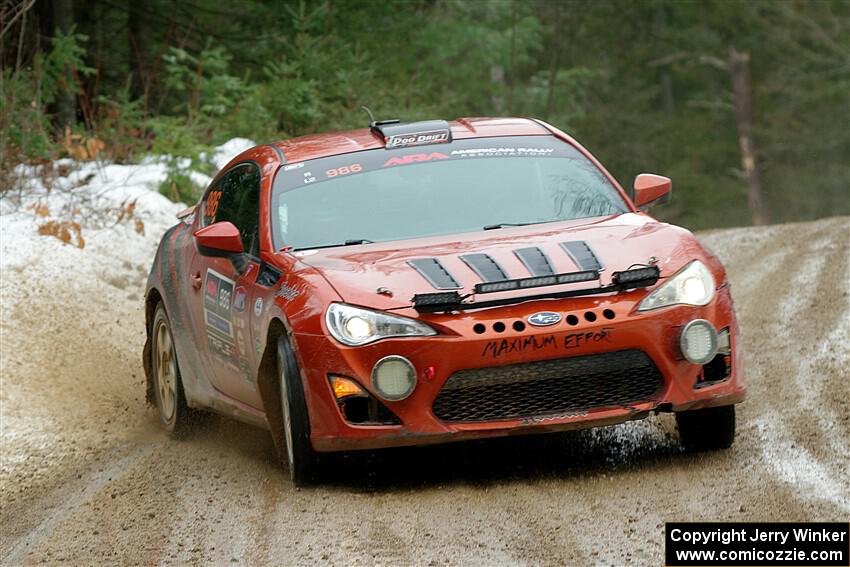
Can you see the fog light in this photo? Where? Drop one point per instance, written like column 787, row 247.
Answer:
column 394, row 377
column 698, row 341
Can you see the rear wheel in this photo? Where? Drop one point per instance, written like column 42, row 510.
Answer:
column 707, row 429
column 168, row 386
column 302, row 458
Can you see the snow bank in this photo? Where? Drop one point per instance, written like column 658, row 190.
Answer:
column 111, row 215
column 225, row 152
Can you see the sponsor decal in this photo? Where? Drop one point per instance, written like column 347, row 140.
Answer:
column 544, row 318
column 258, row 306
column 414, row 158
column 287, row 293
column 245, row 370
column 495, row 349
column 556, row 417
column 502, row 152
column 218, row 297
column 499, row 348
column 291, row 166
column 344, row 170
column 240, row 341
column 239, row 298
column 211, row 208
column 418, row 139
column 576, row 340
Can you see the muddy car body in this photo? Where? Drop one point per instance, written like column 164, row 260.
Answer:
column 381, row 287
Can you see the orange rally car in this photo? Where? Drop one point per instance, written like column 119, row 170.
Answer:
column 414, row 283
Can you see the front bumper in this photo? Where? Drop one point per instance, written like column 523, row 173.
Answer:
column 459, row 347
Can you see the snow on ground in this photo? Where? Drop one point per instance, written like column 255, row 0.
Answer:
column 112, row 217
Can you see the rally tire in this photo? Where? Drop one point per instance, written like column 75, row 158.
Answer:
column 302, row 459
column 707, row 429
column 169, row 397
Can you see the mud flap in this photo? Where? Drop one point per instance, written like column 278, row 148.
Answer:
column 146, row 363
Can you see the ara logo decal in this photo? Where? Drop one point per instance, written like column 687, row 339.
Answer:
column 414, row 158
column 544, row 318
column 258, row 306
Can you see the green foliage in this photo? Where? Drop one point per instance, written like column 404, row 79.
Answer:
column 179, row 187
column 205, row 91
column 26, row 93
column 178, row 184
column 121, row 121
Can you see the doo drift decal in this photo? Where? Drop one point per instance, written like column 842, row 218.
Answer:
column 420, row 139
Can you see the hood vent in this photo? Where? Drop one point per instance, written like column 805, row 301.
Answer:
column 582, row 255
column 485, row 266
column 535, row 261
column 433, row 271
column 491, row 273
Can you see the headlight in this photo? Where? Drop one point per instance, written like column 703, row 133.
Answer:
column 355, row 326
column 693, row 285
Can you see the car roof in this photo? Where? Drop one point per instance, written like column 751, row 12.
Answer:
column 333, row 143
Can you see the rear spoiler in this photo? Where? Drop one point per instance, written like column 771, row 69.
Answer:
column 446, row 301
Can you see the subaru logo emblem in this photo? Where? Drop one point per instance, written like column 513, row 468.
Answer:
column 544, row 319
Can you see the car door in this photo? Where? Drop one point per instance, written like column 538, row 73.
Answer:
column 223, row 298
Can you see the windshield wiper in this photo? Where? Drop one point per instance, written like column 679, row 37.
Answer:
column 352, row 242
column 509, row 224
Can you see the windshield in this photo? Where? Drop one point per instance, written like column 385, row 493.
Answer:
column 467, row 185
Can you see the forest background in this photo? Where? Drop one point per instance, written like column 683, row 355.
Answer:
column 744, row 104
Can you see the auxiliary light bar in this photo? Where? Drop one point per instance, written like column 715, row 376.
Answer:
column 447, row 301
column 539, row 281
column 637, row 277
column 432, row 299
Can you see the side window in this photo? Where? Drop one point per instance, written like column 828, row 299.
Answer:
column 236, row 198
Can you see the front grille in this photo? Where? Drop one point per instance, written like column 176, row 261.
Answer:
column 548, row 387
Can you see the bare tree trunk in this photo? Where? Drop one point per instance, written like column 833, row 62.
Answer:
column 556, row 62
column 665, row 78
column 134, row 49
column 739, row 67
column 66, row 101
column 512, row 59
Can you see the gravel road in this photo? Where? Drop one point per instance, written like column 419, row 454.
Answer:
column 88, row 478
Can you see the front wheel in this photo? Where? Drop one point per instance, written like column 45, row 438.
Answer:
column 707, row 429
column 302, row 458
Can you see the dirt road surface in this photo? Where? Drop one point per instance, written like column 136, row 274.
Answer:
column 88, row 478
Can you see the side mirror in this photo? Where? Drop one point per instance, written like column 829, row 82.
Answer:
column 651, row 189
column 220, row 240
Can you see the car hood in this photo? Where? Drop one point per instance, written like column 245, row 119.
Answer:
column 385, row 275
